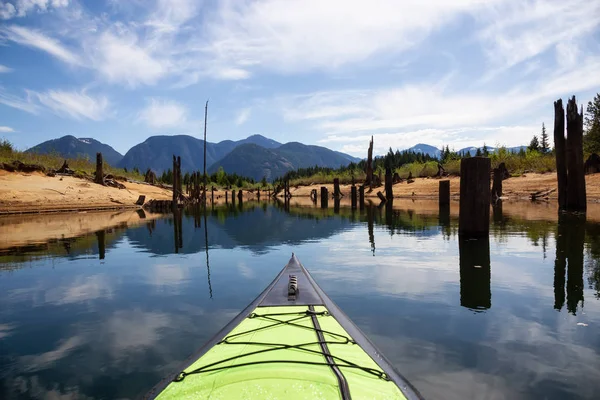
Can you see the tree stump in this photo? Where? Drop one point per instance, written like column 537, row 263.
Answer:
column 381, row 197
column 369, row 165
column 141, row 200
column 361, row 197
column 389, row 191
column 444, row 193
column 336, row 188
column 240, row 196
column 592, row 164
column 324, row 197
column 353, row 196
column 99, row 179
column 474, row 212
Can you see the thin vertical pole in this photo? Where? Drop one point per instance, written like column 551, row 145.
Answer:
column 205, row 118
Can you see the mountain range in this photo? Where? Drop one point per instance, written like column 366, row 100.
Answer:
column 255, row 157
column 435, row 152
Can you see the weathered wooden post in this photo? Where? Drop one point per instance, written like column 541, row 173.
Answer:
column 99, row 179
column 336, row 188
column 233, row 197
column 444, row 195
column 258, row 194
column 497, row 185
column 175, row 185
column 324, row 197
column 361, row 197
column 226, row 195
column 353, row 196
column 179, row 180
column 369, row 166
column 240, row 196
column 576, row 196
column 560, row 150
column 475, row 271
column 389, row 193
column 336, row 205
column 474, row 211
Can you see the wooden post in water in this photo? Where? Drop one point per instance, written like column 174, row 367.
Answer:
column 444, row 195
column 576, row 196
column 324, row 197
column 258, row 194
column 212, row 194
column 233, row 197
column 389, row 193
column 226, row 195
column 474, row 213
column 361, row 197
column 240, row 196
column 353, row 196
column 99, row 179
column 336, row 188
column 179, row 180
column 101, row 236
column 175, row 186
column 496, row 185
column 560, row 148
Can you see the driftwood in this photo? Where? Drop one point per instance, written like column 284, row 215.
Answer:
column 18, row 166
column 381, row 196
column 541, row 194
column 64, row 169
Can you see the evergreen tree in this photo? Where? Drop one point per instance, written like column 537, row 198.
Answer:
column 534, row 145
column 478, row 152
column 544, row 147
column 485, row 151
column 591, row 138
column 468, row 155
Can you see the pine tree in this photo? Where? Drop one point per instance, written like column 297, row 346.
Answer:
column 478, row 152
column 534, row 145
column 544, row 147
column 591, row 138
column 485, row 151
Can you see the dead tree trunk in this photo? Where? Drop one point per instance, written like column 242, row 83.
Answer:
column 361, row 197
column 240, row 196
column 233, row 197
column 175, row 184
column 474, row 212
column 336, row 188
column 99, row 179
column 369, row 167
column 353, row 196
column 560, row 150
column 576, row 196
column 389, row 192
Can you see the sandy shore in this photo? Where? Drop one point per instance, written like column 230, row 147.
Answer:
column 35, row 192
column 517, row 188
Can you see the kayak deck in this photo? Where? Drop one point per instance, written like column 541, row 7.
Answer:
column 288, row 347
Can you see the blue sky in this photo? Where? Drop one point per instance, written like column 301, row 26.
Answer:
column 331, row 73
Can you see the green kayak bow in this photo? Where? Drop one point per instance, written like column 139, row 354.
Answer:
column 291, row 342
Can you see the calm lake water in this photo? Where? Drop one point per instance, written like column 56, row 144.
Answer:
column 107, row 315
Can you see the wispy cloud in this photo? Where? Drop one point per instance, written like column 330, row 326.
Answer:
column 163, row 113
column 21, row 8
column 242, row 116
column 75, row 104
column 34, row 39
column 6, row 129
column 4, row 69
column 72, row 104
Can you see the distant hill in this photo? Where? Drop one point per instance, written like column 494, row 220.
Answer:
column 72, row 147
column 473, row 150
column 426, row 149
column 257, row 162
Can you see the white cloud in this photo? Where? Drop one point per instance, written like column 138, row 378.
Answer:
column 518, row 30
column 4, row 69
column 242, row 116
column 163, row 113
column 6, row 129
column 74, row 104
column 21, row 8
column 31, row 38
column 294, row 36
column 121, row 59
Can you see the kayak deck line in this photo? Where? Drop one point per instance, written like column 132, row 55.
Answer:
column 281, row 346
column 291, row 342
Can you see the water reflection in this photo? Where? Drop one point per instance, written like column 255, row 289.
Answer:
column 475, row 273
column 113, row 332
